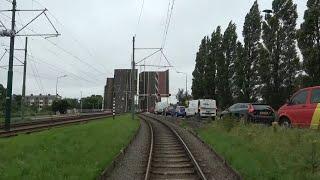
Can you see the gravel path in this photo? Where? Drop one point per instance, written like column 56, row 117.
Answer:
column 134, row 163
column 213, row 167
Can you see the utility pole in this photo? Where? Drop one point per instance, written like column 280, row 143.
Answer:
column 81, row 102
column 10, row 70
column 59, row 77
column 12, row 33
column 24, row 78
column 132, row 79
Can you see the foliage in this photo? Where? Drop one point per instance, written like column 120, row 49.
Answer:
column 265, row 66
column 73, row 103
column 73, row 152
column 251, row 34
column 2, row 98
column 259, row 152
column 229, row 48
column 279, row 36
column 60, row 106
column 92, row 102
column 183, row 97
column 309, row 42
column 198, row 82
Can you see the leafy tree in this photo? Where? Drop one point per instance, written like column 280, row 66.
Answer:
column 92, row 102
column 73, row 103
column 264, row 67
column 309, row 42
column 210, row 69
column 229, row 45
column 251, row 33
column 16, row 103
column 182, row 97
column 198, row 82
column 60, row 105
column 2, row 97
column 218, row 55
column 239, row 75
column 279, row 37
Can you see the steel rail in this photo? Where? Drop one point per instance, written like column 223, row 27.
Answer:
column 147, row 176
column 43, row 126
column 189, row 153
column 47, row 120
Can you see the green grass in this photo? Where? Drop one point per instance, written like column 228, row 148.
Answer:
column 259, row 152
column 73, row 152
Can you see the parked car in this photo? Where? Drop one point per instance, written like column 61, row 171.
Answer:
column 302, row 109
column 170, row 111
column 238, row 110
column 180, row 111
column 252, row 112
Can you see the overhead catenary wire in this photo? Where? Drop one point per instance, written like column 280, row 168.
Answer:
column 88, row 74
column 95, row 77
column 166, row 29
column 66, row 51
column 56, row 68
column 35, row 71
column 72, row 36
column 140, row 15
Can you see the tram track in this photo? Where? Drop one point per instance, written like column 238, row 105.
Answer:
column 47, row 124
column 169, row 156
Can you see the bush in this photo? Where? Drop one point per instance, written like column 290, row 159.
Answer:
column 60, row 105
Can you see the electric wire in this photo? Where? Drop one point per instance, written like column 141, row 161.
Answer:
column 72, row 36
column 61, row 50
column 140, row 15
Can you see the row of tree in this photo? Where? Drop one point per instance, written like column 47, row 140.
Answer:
column 265, row 66
column 91, row 102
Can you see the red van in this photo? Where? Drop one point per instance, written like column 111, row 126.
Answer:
column 303, row 109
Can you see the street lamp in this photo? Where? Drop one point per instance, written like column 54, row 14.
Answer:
column 268, row 11
column 186, row 82
column 59, row 77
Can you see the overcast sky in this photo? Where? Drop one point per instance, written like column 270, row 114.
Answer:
column 96, row 38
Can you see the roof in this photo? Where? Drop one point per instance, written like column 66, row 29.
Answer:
column 312, row 87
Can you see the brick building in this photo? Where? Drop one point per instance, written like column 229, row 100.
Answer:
column 119, row 87
column 151, row 84
column 108, row 94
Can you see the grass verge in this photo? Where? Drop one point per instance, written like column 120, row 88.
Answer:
column 73, row 152
column 260, row 152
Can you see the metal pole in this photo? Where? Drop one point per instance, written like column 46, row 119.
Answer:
column 81, row 102
column 57, row 87
column 24, row 78
column 114, row 107
column 187, row 86
column 132, row 78
column 10, row 69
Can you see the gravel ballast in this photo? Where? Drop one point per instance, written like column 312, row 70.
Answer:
column 211, row 164
column 133, row 164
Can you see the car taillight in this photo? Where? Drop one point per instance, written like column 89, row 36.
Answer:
column 250, row 109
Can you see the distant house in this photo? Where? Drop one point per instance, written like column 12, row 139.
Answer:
column 40, row 100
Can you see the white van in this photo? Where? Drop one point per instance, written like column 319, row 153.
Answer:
column 160, row 107
column 207, row 108
column 192, row 108
column 203, row 107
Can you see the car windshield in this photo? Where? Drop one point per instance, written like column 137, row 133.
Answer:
column 260, row 107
